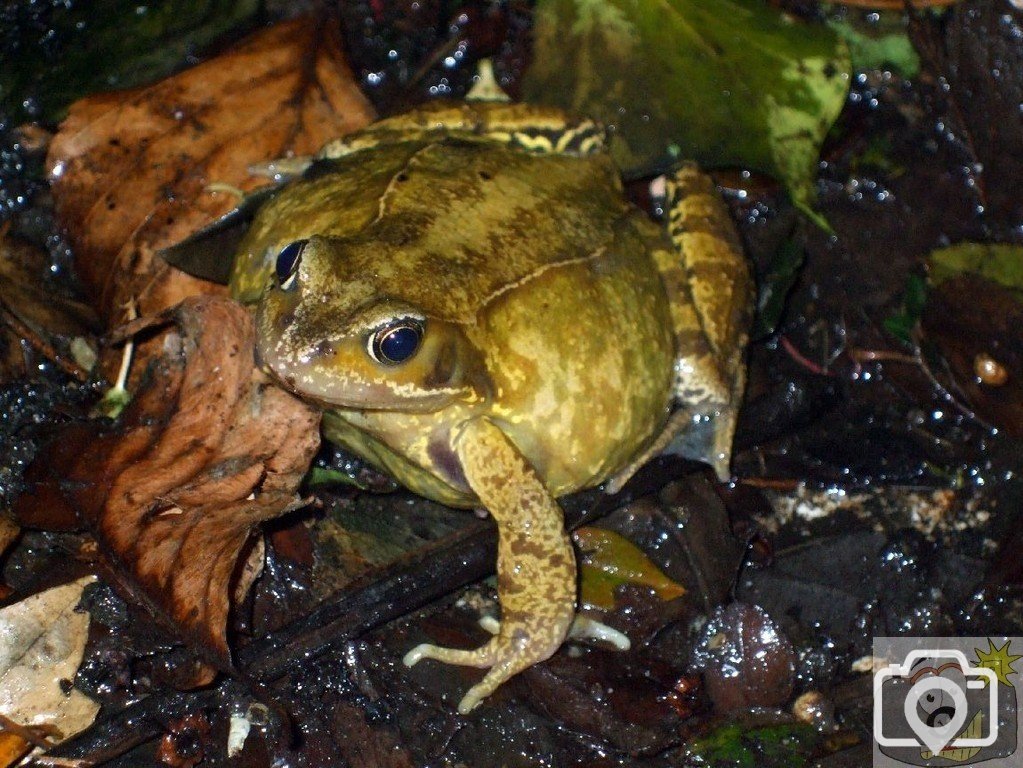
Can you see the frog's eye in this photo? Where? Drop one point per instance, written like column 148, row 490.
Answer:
column 287, row 263
column 397, row 342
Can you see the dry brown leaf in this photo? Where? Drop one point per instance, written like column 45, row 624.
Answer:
column 130, row 170
column 206, row 450
column 9, row 531
column 42, row 641
column 12, row 749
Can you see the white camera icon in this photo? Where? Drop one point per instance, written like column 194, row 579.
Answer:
column 935, row 705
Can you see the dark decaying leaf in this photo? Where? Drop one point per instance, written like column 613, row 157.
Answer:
column 974, row 326
column 975, row 53
column 731, row 82
column 55, row 52
column 34, row 315
column 746, row 658
column 172, row 491
column 131, row 171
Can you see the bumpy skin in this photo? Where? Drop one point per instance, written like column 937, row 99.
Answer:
column 560, row 328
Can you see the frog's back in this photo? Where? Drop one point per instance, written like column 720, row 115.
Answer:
column 449, row 223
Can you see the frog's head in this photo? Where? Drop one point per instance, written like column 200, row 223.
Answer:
column 350, row 343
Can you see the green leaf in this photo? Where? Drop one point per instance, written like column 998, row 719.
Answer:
column 114, row 401
column 901, row 325
column 326, row 477
column 750, row 747
column 53, row 53
column 725, row 82
column 775, row 287
column 883, row 44
column 609, row 560
column 1002, row 264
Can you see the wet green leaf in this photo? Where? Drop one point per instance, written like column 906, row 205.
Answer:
column 113, row 402
column 879, row 45
column 738, row 747
column 52, row 53
column 609, row 560
column 326, row 477
column 901, row 325
column 1002, row 264
column 775, row 287
column 725, row 82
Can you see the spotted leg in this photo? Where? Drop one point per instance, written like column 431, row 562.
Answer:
column 710, row 292
column 536, row 574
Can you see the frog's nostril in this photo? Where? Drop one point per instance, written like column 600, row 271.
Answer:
column 324, row 349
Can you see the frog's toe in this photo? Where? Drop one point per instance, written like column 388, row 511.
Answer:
column 510, row 656
column 490, row 624
column 509, row 652
column 480, row 657
column 586, row 628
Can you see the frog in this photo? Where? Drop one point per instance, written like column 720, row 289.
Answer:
column 479, row 311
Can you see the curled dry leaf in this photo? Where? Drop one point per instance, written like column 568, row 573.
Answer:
column 131, row 170
column 42, row 640
column 172, row 492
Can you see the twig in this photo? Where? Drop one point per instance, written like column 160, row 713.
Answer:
column 767, row 483
column 798, row 356
column 882, row 355
column 40, row 345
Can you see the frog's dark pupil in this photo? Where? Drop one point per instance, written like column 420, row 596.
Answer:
column 397, row 343
column 288, row 259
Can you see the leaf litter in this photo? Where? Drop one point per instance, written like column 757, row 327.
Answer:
column 657, row 702
column 42, row 642
column 174, row 489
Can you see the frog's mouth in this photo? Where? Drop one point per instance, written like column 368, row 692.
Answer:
column 335, row 378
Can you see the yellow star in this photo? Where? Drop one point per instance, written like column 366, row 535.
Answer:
column 998, row 660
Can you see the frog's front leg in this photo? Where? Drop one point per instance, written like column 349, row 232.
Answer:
column 536, row 573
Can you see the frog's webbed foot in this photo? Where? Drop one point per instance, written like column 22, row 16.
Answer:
column 505, row 655
column 536, row 575
column 505, row 663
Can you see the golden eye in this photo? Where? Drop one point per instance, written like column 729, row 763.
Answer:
column 989, row 371
column 397, row 342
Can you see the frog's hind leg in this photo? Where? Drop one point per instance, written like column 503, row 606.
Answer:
column 708, row 280
column 536, row 574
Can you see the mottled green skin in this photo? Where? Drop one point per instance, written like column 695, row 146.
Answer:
column 561, row 326
column 482, row 240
